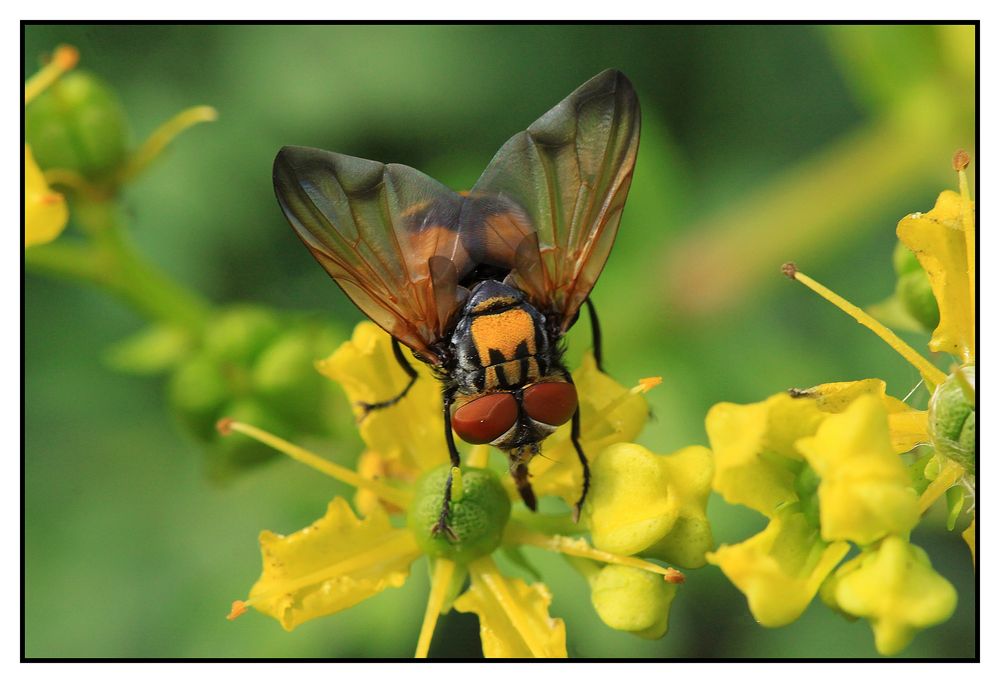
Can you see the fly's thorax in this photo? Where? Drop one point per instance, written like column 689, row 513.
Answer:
column 500, row 342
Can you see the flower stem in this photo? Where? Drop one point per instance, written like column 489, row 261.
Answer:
column 950, row 473
column 932, row 376
column 444, row 569
column 163, row 136
column 390, row 494
column 111, row 261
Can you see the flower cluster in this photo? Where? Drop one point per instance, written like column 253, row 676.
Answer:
column 827, row 465
column 642, row 507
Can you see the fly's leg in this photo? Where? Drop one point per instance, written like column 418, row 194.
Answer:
column 442, row 524
column 397, row 351
column 595, row 333
column 575, row 438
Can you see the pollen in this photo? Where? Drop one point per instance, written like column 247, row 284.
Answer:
column 239, row 609
column 647, row 383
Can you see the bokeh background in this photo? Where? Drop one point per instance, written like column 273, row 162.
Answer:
column 760, row 144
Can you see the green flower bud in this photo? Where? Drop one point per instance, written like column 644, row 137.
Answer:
column 234, row 452
column 479, row 513
column 285, row 377
column 914, row 291
column 952, row 418
column 903, row 260
column 633, row 600
column 241, row 333
column 197, row 392
column 78, row 124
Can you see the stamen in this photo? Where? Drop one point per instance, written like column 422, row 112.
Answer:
column 163, row 136
column 644, row 385
column 390, row 494
column 479, row 456
column 239, row 609
column 577, row 547
column 444, row 570
column 63, row 59
column 960, row 162
column 932, row 376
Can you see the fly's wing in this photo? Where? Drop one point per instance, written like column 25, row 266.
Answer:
column 386, row 233
column 549, row 204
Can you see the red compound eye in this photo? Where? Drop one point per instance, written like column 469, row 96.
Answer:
column 552, row 403
column 486, row 418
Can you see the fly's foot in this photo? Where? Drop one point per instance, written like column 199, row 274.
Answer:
column 441, row 527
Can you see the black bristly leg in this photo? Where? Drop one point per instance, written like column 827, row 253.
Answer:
column 397, row 351
column 575, row 438
column 595, row 332
column 456, row 461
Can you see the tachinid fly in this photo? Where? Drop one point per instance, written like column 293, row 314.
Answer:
column 481, row 285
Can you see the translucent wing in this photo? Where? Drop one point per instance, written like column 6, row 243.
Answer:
column 549, row 203
column 386, row 233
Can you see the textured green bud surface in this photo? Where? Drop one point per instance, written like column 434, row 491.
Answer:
column 478, row 519
column 633, row 600
column 952, row 420
column 914, row 291
column 77, row 124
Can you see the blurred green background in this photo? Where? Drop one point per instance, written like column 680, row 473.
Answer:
column 760, row 144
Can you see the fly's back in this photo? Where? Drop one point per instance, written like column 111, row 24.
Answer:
column 500, row 342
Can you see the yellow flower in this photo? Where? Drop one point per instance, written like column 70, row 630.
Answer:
column 45, row 212
column 807, row 460
column 895, row 587
column 343, row 559
column 864, row 490
column 944, row 242
column 781, row 568
column 643, row 503
column 823, row 464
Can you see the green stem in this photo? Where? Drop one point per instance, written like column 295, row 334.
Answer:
column 547, row 524
column 112, row 262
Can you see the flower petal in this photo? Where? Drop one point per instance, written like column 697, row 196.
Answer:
column 642, row 502
column 907, row 427
column 609, row 414
column 331, row 565
column 864, row 490
column 938, row 240
column 410, row 431
column 781, row 568
column 514, row 617
column 45, row 212
column 896, row 589
column 754, row 449
column 633, row 600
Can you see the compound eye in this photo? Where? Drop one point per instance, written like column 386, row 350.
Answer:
column 551, row 403
column 486, row 418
